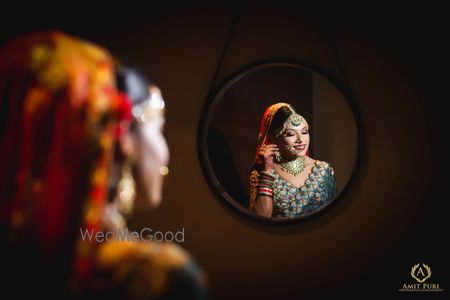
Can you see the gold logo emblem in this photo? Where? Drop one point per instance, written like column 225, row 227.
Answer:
column 420, row 273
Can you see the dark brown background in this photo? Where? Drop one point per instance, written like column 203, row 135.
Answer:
column 393, row 216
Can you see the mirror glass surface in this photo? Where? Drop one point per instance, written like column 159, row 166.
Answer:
column 229, row 135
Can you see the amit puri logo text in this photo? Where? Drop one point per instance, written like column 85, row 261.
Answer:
column 421, row 273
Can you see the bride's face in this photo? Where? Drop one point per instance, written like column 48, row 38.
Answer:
column 149, row 148
column 153, row 158
column 294, row 141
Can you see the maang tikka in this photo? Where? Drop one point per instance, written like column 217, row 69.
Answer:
column 294, row 119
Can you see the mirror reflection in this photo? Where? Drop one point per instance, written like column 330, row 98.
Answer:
column 279, row 141
column 285, row 181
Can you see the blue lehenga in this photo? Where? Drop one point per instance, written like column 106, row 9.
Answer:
column 290, row 201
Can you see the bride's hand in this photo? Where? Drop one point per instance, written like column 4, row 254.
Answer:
column 266, row 155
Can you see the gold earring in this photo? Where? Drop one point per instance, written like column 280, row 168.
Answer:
column 126, row 190
column 278, row 156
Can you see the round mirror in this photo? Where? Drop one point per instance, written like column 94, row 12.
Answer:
column 279, row 141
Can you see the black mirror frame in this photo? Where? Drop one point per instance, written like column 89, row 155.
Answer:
column 209, row 108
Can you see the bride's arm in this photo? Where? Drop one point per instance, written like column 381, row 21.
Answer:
column 261, row 205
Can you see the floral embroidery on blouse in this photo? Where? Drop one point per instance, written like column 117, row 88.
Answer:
column 290, row 201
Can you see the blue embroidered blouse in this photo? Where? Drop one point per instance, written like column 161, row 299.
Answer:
column 290, row 201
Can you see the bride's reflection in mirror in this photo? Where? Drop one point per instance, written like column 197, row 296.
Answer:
column 285, row 182
column 302, row 162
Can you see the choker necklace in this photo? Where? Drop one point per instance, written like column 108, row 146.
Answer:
column 294, row 167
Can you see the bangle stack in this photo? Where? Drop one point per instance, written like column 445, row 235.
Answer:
column 265, row 185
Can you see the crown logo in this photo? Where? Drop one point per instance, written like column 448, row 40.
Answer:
column 417, row 272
